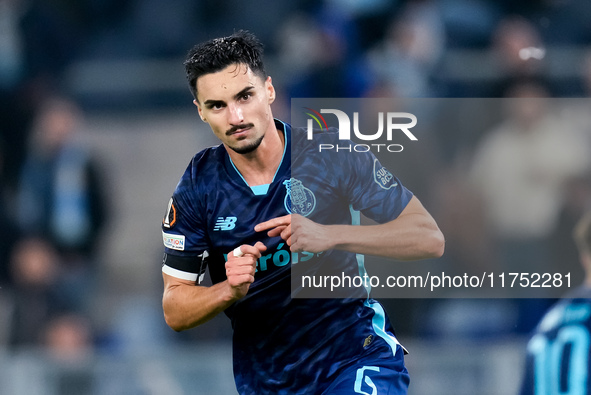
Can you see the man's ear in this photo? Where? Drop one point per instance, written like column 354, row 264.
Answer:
column 270, row 89
column 196, row 103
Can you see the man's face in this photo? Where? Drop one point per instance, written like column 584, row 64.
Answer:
column 235, row 103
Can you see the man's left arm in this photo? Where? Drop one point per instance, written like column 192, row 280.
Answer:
column 413, row 235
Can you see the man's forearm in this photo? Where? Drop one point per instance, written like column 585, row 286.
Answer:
column 409, row 237
column 413, row 235
column 186, row 306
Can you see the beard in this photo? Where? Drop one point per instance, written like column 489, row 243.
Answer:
column 247, row 149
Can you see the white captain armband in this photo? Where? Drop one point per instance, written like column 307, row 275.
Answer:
column 190, row 268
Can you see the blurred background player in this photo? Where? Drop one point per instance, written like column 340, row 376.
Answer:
column 558, row 352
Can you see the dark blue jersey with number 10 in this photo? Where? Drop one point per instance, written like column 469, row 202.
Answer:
column 558, row 352
column 283, row 344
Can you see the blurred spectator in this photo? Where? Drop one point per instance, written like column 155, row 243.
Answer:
column 43, row 311
column 68, row 342
column 519, row 52
column 520, row 169
column 513, row 40
column 60, row 195
column 60, row 198
column 298, row 44
column 413, row 45
column 68, row 337
column 35, row 269
column 333, row 64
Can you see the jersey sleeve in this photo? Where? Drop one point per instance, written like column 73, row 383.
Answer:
column 183, row 233
column 372, row 189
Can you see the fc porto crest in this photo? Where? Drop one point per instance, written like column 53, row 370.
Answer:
column 298, row 199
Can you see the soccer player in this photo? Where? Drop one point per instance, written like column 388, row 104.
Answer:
column 240, row 211
column 559, row 350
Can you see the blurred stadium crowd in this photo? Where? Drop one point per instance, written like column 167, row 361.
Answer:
column 63, row 59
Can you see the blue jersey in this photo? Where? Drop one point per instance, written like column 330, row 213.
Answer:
column 558, row 352
column 285, row 345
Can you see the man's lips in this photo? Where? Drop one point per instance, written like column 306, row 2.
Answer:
column 239, row 129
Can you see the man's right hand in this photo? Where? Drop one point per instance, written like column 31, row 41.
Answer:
column 240, row 270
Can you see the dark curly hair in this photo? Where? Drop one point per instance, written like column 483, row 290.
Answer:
column 212, row 56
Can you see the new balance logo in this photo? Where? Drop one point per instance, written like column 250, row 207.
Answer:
column 227, row 223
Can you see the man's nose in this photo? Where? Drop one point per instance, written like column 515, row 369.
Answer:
column 235, row 114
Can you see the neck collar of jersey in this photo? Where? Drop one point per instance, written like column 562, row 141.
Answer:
column 283, row 164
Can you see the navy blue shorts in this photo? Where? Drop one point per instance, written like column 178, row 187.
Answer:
column 377, row 377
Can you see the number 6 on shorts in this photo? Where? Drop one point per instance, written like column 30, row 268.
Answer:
column 359, row 380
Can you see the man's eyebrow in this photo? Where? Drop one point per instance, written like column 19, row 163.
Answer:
column 243, row 92
column 211, row 102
